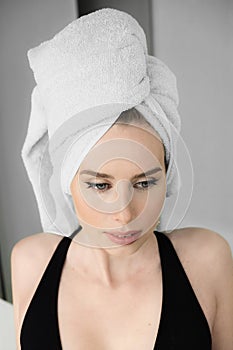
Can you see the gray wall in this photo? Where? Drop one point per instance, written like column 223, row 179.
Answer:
column 23, row 24
column 195, row 39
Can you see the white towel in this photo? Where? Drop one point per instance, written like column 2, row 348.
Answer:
column 86, row 75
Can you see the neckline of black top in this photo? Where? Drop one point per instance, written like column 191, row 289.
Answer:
column 182, row 325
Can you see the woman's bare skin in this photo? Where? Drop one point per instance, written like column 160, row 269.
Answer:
column 204, row 254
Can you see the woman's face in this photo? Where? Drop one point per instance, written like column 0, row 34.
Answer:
column 120, row 186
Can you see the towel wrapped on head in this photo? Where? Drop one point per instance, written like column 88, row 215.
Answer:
column 88, row 74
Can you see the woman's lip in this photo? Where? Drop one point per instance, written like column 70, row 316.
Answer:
column 121, row 239
column 122, row 233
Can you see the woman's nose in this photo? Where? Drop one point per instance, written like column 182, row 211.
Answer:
column 124, row 212
column 124, row 216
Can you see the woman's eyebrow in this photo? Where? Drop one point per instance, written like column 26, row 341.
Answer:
column 103, row 175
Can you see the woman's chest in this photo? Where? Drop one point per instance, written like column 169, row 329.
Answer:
column 98, row 318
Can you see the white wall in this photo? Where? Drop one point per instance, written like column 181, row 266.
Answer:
column 195, row 39
column 23, row 24
column 7, row 326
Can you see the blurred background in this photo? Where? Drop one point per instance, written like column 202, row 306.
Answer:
column 194, row 38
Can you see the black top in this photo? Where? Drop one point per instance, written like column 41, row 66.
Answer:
column 183, row 325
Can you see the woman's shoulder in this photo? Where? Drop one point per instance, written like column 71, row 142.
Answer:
column 40, row 239
column 206, row 255
column 34, row 250
column 207, row 259
column 199, row 239
column 29, row 258
column 202, row 246
column 31, row 254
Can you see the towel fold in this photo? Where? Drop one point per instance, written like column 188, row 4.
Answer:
column 86, row 75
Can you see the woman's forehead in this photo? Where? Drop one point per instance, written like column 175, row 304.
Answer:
column 131, row 143
column 141, row 133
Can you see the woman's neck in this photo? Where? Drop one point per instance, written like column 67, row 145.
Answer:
column 114, row 266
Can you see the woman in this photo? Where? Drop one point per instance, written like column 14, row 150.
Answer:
column 118, row 283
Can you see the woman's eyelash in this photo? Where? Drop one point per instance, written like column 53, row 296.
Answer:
column 94, row 185
column 151, row 182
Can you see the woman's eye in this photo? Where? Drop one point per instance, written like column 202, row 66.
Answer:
column 145, row 184
column 101, row 187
